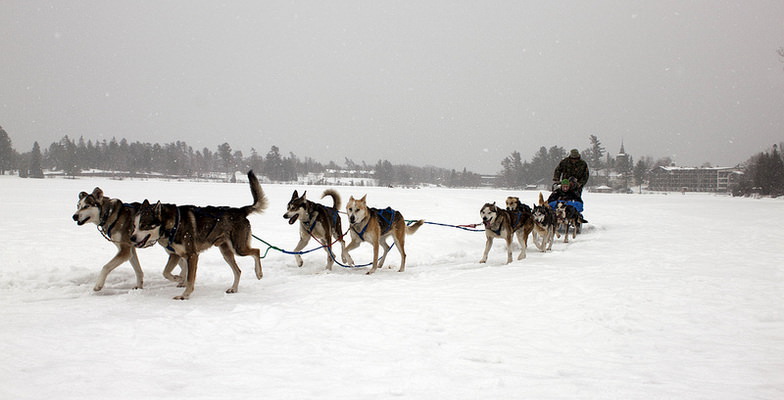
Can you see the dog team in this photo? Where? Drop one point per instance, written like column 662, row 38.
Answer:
column 186, row 231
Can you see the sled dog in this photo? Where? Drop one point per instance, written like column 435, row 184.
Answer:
column 567, row 215
column 500, row 223
column 545, row 224
column 374, row 225
column 514, row 204
column 317, row 220
column 186, row 231
column 115, row 221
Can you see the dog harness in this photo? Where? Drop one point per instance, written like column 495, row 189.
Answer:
column 385, row 218
column 173, row 231
column 497, row 232
column 333, row 213
column 517, row 217
column 107, row 232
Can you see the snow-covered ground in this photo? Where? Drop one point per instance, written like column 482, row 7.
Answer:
column 662, row 297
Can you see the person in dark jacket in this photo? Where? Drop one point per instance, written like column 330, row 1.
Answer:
column 572, row 167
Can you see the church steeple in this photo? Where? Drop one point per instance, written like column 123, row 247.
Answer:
column 622, row 151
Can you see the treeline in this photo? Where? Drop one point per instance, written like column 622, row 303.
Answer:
column 763, row 175
column 178, row 159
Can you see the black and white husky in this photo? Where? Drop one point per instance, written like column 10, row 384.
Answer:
column 500, row 223
column 186, row 231
column 568, row 216
column 318, row 221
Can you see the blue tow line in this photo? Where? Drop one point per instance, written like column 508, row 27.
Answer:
column 469, row 228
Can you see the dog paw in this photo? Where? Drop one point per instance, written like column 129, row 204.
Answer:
column 231, row 290
column 180, row 298
column 97, row 288
column 482, row 261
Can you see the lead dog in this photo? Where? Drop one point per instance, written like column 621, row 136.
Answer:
column 504, row 224
column 115, row 221
column 317, row 220
column 545, row 224
column 186, row 231
column 374, row 225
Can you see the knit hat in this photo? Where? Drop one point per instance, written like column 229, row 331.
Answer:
column 574, row 153
column 565, row 182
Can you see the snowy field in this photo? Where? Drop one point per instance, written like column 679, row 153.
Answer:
column 662, row 297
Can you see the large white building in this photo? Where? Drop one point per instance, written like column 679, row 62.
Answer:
column 692, row 179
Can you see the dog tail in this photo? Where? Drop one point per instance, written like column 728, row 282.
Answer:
column 410, row 230
column 260, row 201
column 335, row 198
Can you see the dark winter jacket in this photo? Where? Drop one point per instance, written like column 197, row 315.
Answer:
column 572, row 167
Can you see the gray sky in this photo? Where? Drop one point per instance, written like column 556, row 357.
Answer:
column 447, row 83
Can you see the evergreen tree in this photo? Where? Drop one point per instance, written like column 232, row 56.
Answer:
column 513, row 173
column 224, row 153
column 35, row 170
column 640, row 171
column 776, row 172
column 256, row 162
column 385, row 173
column 593, row 155
column 7, row 152
column 273, row 164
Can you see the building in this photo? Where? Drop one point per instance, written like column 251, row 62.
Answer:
column 692, row 179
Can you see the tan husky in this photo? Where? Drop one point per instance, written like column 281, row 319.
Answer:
column 374, row 225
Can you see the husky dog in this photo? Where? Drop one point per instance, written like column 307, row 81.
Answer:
column 186, row 231
column 545, row 224
column 514, row 204
column 115, row 221
column 317, row 220
column 374, row 225
column 500, row 223
column 567, row 215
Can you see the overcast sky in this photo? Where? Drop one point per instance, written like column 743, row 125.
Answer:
column 447, row 83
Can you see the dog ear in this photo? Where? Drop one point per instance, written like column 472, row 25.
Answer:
column 98, row 193
column 304, row 194
column 83, row 195
column 294, row 195
column 145, row 203
column 364, row 198
column 157, row 208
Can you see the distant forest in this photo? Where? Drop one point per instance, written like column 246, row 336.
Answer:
column 179, row 160
column 763, row 172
